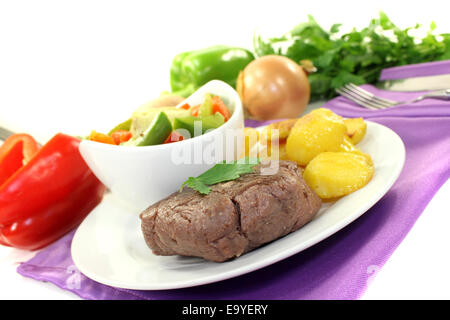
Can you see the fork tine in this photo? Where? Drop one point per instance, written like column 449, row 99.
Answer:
column 369, row 95
column 356, row 99
column 369, row 101
column 361, row 98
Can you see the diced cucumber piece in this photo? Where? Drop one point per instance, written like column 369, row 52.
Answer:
column 207, row 123
column 206, row 108
column 213, row 121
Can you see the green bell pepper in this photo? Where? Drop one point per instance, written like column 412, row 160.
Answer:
column 190, row 70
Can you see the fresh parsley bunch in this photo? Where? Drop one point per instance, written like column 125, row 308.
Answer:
column 357, row 56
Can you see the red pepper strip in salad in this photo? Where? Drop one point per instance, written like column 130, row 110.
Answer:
column 195, row 110
column 174, row 137
column 49, row 196
column 185, row 106
column 219, row 106
column 16, row 151
column 120, row 136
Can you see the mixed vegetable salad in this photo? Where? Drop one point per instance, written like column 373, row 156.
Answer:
column 151, row 125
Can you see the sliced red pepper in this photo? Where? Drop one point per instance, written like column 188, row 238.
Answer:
column 174, row 137
column 185, row 106
column 219, row 106
column 120, row 136
column 49, row 196
column 16, row 151
column 195, row 110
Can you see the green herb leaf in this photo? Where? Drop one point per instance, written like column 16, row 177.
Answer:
column 221, row 172
column 197, row 185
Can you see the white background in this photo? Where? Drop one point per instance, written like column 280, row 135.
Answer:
column 73, row 66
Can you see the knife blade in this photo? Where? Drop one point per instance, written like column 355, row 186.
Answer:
column 5, row 133
column 439, row 82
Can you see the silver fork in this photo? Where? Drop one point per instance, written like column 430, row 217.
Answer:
column 371, row 101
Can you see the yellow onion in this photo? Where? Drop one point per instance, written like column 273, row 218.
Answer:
column 273, row 87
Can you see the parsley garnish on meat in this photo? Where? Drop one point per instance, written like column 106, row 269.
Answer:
column 221, row 172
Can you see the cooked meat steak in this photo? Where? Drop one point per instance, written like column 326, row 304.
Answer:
column 234, row 218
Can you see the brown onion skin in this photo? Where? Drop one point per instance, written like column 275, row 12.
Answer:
column 273, row 87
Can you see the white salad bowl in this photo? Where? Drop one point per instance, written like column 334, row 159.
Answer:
column 142, row 176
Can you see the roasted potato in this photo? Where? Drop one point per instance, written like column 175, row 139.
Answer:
column 317, row 132
column 284, row 128
column 272, row 151
column 336, row 174
column 255, row 146
column 251, row 138
column 347, row 145
column 356, row 129
column 282, row 154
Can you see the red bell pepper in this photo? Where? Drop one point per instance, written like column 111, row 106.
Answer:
column 219, row 106
column 195, row 110
column 120, row 136
column 16, row 151
column 48, row 196
column 185, row 106
column 174, row 137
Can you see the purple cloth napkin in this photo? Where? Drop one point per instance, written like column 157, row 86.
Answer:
column 416, row 70
column 339, row 267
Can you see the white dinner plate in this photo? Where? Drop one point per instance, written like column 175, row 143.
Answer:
column 109, row 247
